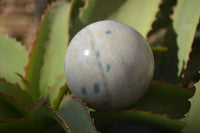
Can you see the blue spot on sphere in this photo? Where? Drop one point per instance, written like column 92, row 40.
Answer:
column 116, row 21
column 83, row 89
column 96, row 88
column 97, row 54
column 108, row 32
column 108, row 68
column 100, row 65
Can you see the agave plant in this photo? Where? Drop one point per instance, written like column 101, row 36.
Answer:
column 34, row 96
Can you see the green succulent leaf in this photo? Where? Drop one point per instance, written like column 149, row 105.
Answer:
column 137, row 117
column 15, row 92
column 186, row 18
column 72, row 115
column 18, row 109
column 14, row 101
column 13, row 58
column 29, row 88
column 42, row 112
column 58, row 99
column 166, row 99
column 191, row 74
column 130, row 12
column 55, row 95
column 22, row 125
column 192, row 117
column 75, row 114
column 156, row 50
column 46, row 59
column 7, row 112
column 178, row 39
column 49, row 112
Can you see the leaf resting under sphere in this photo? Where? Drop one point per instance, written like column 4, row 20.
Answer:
column 166, row 99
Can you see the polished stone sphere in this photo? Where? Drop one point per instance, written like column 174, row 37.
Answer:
column 109, row 65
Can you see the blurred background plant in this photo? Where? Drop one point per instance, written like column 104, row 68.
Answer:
column 19, row 19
